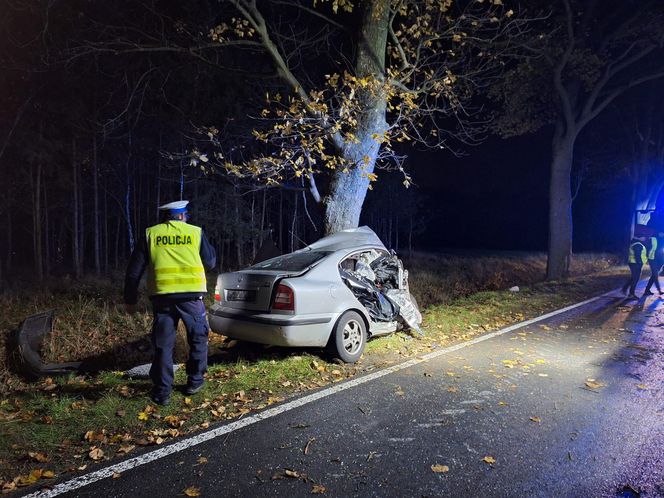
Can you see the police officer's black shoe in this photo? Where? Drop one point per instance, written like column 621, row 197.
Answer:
column 160, row 400
column 648, row 293
column 193, row 389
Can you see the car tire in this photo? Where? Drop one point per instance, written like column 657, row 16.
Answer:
column 348, row 337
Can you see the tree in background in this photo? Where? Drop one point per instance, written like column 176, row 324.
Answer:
column 585, row 55
column 343, row 82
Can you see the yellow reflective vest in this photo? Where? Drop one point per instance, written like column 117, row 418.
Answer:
column 174, row 263
column 653, row 248
column 632, row 253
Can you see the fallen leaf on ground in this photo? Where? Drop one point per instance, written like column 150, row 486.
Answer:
column 8, row 486
column 642, row 387
column 202, row 460
column 291, row 473
column 593, row 384
column 489, row 459
column 38, row 457
column 305, row 450
column 126, row 448
column 187, row 401
column 317, row 489
column 96, row 453
column 30, row 479
column 535, row 419
column 48, row 474
column 192, row 491
column 117, row 475
column 452, row 389
column 142, row 416
column 440, row 469
column 173, row 421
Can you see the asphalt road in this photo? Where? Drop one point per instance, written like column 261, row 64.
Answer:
column 573, row 406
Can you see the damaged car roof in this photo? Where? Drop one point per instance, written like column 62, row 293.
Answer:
column 348, row 239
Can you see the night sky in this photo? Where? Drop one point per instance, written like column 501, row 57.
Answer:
column 495, row 197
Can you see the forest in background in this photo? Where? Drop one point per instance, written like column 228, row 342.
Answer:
column 93, row 140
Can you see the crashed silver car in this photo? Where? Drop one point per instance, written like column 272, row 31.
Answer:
column 334, row 293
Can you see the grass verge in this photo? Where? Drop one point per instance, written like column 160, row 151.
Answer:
column 75, row 423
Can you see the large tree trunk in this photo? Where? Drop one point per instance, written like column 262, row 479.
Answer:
column 560, row 208
column 344, row 203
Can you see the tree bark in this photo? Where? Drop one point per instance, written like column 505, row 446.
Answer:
column 106, row 247
column 76, row 260
column 560, row 208
column 95, row 186
column 238, row 234
column 38, row 260
column 348, row 190
column 10, row 248
column 46, row 236
column 281, row 220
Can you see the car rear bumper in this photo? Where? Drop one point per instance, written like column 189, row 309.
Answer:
column 267, row 328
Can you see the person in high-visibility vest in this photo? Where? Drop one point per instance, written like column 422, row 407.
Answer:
column 655, row 261
column 176, row 256
column 637, row 257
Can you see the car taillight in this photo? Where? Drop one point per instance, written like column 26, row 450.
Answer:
column 218, row 289
column 284, row 299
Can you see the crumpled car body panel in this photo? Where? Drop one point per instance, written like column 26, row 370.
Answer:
column 321, row 295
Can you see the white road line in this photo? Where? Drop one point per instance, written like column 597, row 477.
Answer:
column 132, row 463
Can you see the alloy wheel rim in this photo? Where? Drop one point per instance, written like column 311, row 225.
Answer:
column 352, row 337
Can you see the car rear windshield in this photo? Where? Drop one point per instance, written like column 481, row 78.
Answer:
column 296, row 261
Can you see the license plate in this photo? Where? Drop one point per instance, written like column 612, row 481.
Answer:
column 241, row 295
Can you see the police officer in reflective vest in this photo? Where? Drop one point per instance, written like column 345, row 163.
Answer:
column 637, row 257
column 176, row 256
column 656, row 261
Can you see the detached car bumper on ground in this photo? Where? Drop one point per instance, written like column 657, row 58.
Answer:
column 334, row 293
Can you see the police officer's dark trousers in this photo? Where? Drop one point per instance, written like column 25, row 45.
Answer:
column 655, row 267
column 635, row 275
column 167, row 314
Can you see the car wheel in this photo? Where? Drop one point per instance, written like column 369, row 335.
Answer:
column 349, row 337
